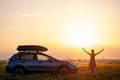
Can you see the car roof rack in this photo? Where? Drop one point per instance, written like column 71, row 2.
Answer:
column 31, row 48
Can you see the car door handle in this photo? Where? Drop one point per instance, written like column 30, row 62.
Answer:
column 40, row 62
column 23, row 61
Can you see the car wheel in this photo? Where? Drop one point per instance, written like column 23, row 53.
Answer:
column 18, row 72
column 63, row 71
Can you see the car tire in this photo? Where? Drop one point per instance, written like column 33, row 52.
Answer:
column 19, row 72
column 63, row 71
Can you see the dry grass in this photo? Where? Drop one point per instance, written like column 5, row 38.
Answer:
column 104, row 71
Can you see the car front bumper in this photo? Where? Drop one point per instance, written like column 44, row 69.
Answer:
column 73, row 70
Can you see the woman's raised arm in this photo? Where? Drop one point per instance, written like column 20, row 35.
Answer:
column 99, row 52
column 86, row 51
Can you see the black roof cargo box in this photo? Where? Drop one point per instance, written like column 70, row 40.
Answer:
column 31, row 48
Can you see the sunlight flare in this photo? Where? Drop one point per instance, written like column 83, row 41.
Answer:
column 80, row 34
column 81, row 39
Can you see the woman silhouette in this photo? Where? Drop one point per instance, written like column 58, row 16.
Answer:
column 92, row 63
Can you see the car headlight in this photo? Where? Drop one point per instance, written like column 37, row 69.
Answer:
column 71, row 63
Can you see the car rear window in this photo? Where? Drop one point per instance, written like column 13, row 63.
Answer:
column 26, row 57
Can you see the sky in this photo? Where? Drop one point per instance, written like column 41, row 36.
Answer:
column 63, row 26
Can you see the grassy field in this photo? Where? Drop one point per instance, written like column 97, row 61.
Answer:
column 104, row 71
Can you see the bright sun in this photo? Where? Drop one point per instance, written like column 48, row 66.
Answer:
column 84, row 39
column 81, row 37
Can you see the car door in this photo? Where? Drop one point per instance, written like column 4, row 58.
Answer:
column 29, row 61
column 46, row 64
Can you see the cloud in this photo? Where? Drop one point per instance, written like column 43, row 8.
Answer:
column 28, row 15
column 18, row 15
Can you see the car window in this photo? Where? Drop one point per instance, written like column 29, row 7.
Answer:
column 18, row 57
column 28, row 57
column 42, row 57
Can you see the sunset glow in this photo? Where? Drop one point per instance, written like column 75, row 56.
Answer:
column 64, row 26
column 81, row 39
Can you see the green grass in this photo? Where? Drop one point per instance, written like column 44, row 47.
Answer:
column 104, row 71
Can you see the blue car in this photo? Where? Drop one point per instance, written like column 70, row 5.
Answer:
column 31, row 59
